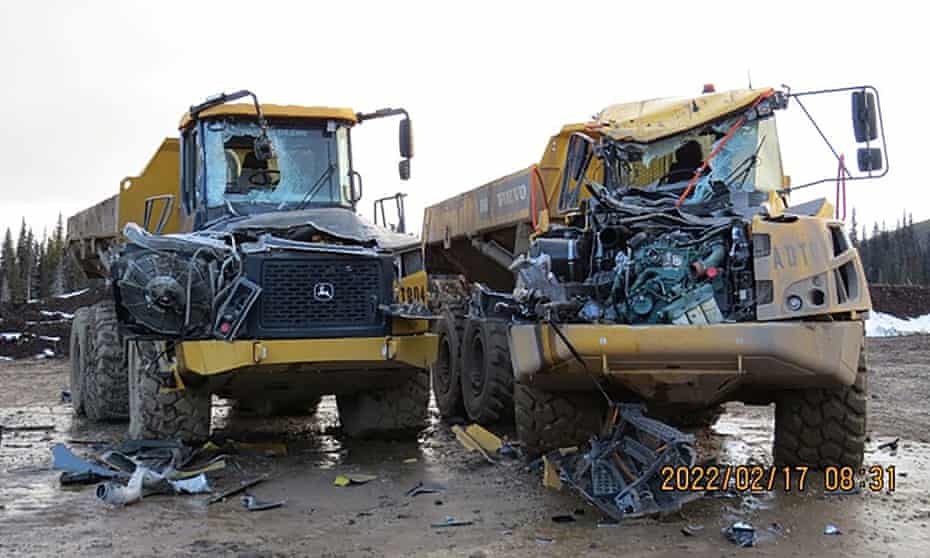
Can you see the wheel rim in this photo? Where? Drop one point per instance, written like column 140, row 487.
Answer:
column 477, row 374
column 442, row 368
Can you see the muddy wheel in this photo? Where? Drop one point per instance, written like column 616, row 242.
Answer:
column 550, row 420
column 396, row 413
column 821, row 428
column 105, row 393
column 179, row 415
column 445, row 372
column 79, row 353
column 487, row 376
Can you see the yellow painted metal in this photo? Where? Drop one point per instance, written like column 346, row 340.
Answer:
column 216, row 357
column 811, row 258
column 275, row 111
column 645, row 357
column 160, row 178
column 647, row 121
column 410, row 288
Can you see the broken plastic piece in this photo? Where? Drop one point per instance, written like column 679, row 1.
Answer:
column 892, row 445
column 253, row 504
column 193, row 485
column 114, row 493
column 741, row 534
column 476, row 438
column 832, row 529
column 356, row 478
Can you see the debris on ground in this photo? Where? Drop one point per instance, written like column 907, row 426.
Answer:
column 354, row 478
column 563, row 518
column 114, row 493
column 63, row 459
column 892, row 445
column 475, row 438
column 620, row 472
column 691, row 530
column 251, row 503
column 450, row 521
column 243, row 486
column 424, row 488
column 741, row 534
column 832, row 529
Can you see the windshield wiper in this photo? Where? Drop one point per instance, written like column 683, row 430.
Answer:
column 742, row 170
column 314, row 189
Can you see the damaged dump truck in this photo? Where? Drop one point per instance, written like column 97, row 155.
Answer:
column 238, row 267
column 651, row 256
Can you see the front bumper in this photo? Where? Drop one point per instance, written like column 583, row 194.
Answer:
column 698, row 364
column 208, row 358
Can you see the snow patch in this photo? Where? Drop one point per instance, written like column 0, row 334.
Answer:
column 11, row 336
column 880, row 324
column 46, row 353
column 5, row 359
column 53, row 339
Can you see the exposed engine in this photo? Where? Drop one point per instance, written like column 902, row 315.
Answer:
column 633, row 264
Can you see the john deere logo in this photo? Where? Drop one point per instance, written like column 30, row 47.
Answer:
column 323, row 292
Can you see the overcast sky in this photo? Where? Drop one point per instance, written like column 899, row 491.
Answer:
column 89, row 89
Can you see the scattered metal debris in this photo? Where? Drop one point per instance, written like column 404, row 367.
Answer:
column 741, row 533
column 450, row 521
column 691, row 530
column 64, row 459
column 892, row 445
column 114, row 493
column 422, row 488
column 245, row 485
column 620, row 471
column 832, row 529
column 251, row 503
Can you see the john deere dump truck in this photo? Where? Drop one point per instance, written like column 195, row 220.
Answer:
column 651, row 255
column 238, row 266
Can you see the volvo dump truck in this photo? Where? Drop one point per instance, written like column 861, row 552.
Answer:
column 236, row 265
column 652, row 256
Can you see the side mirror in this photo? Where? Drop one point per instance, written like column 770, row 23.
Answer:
column 355, row 183
column 403, row 169
column 869, row 159
column 864, row 117
column 406, row 138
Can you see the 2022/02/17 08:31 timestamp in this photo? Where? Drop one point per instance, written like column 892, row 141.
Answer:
column 874, row 478
column 756, row 478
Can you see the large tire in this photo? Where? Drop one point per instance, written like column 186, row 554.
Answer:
column 105, row 392
column 446, row 371
column 396, row 413
column 821, row 428
column 79, row 354
column 178, row 415
column 487, row 375
column 550, row 420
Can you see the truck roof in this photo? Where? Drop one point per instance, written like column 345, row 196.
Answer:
column 654, row 119
column 274, row 111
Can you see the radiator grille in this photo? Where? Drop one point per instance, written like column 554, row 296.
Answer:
column 310, row 293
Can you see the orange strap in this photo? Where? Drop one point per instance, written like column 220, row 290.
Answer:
column 727, row 137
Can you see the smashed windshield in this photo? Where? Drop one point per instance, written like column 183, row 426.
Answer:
column 748, row 161
column 310, row 168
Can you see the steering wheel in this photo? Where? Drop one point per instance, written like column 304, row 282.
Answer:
column 263, row 177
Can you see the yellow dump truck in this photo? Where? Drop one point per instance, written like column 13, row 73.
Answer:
column 237, row 266
column 651, row 255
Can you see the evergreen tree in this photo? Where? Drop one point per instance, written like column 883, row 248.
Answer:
column 854, row 229
column 8, row 273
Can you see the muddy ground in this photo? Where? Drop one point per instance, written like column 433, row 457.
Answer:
column 510, row 510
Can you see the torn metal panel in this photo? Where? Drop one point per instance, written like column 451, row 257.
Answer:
column 621, row 472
